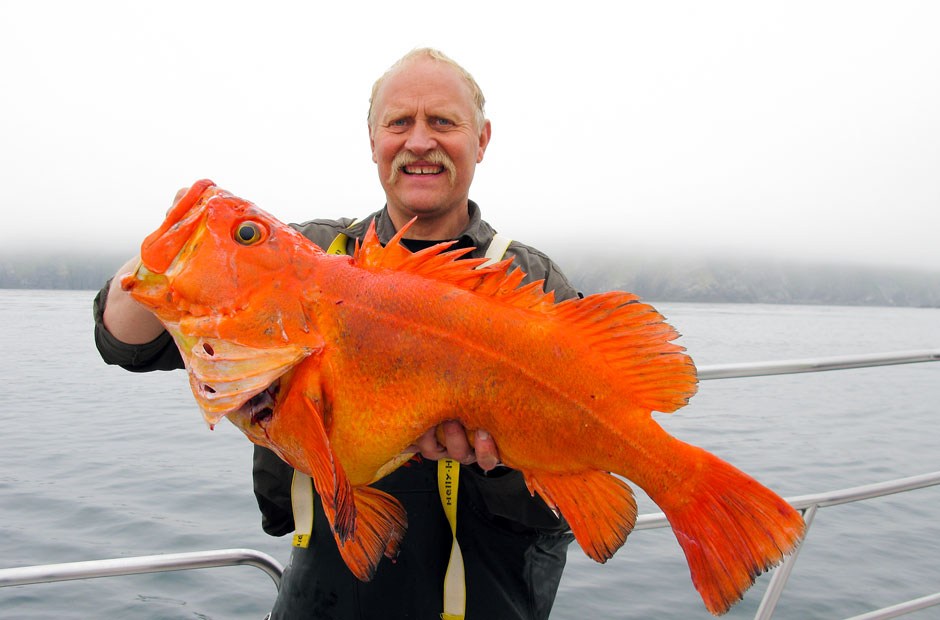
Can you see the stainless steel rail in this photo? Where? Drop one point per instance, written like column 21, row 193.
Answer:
column 785, row 367
column 901, row 608
column 141, row 564
column 810, row 504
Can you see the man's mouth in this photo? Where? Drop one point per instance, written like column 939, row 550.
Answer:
column 430, row 164
column 422, row 169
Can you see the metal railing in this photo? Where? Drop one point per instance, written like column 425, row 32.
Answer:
column 819, row 364
column 810, row 504
column 139, row 565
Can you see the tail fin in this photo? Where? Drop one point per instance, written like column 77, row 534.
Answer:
column 731, row 529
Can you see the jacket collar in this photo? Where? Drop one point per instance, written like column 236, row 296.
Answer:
column 477, row 233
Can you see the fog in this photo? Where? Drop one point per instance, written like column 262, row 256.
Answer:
column 798, row 130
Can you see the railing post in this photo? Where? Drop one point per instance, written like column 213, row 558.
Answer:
column 782, row 572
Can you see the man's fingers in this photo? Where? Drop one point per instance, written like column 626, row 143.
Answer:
column 455, row 440
column 429, row 447
column 449, row 440
column 486, row 452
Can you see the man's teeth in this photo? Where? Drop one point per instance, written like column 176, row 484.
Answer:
column 422, row 169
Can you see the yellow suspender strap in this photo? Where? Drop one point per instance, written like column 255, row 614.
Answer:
column 455, row 589
column 496, row 249
column 301, row 501
column 339, row 243
column 448, row 475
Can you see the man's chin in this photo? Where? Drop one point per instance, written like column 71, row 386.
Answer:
column 427, row 206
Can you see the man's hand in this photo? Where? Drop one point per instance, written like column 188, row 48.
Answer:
column 127, row 320
column 449, row 441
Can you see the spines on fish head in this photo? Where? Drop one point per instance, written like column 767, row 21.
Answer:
column 162, row 246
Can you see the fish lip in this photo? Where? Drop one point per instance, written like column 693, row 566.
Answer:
column 130, row 279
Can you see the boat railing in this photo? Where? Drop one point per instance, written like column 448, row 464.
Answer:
column 809, row 504
column 818, row 364
column 139, row 565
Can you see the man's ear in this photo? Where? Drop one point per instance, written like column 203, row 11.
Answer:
column 372, row 144
column 484, row 140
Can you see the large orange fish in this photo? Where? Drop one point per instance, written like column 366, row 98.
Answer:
column 339, row 363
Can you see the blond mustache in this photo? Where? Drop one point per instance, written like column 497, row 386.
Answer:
column 405, row 158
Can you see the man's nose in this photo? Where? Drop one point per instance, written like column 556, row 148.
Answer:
column 421, row 139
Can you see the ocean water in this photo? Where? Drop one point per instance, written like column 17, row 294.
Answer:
column 97, row 463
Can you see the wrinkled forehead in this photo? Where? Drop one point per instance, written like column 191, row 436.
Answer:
column 424, row 83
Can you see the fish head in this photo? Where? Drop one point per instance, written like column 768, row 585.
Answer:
column 213, row 254
column 226, row 280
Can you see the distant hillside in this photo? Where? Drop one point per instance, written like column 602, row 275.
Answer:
column 745, row 281
column 711, row 280
column 61, row 271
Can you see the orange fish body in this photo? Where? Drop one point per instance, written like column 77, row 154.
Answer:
column 339, row 363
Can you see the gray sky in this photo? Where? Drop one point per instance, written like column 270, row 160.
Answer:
column 776, row 129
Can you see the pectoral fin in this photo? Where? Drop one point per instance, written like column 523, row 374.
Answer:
column 313, row 455
column 367, row 523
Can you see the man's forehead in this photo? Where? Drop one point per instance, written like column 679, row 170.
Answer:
column 397, row 107
column 425, row 82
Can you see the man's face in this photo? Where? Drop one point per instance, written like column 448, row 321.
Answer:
column 425, row 140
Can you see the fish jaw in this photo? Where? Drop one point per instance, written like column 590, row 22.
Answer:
column 224, row 376
column 253, row 414
column 152, row 290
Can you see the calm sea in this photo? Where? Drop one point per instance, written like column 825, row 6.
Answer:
column 97, row 462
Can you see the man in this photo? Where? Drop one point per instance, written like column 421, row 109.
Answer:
column 427, row 131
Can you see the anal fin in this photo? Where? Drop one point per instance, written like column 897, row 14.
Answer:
column 599, row 507
column 381, row 522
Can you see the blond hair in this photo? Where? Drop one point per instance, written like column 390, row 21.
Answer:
column 427, row 52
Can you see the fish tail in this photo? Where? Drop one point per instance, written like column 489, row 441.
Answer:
column 380, row 525
column 731, row 529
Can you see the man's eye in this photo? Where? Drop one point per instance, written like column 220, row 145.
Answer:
column 401, row 122
column 442, row 122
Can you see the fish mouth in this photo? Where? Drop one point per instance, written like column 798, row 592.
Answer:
column 256, row 411
column 260, row 407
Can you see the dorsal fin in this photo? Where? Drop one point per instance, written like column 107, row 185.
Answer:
column 630, row 336
column 635, row 340
column 437, row 263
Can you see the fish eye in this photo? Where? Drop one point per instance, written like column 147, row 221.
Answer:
column 249, row 233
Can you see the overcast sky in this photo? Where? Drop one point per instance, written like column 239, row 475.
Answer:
column 777, row 129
